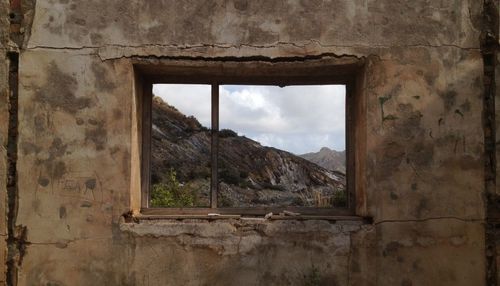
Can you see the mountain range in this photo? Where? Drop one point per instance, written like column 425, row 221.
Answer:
column 328, row 159
column 249, row 174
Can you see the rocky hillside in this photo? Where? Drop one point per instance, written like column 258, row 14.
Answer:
column 328, row 159
column 250, row 174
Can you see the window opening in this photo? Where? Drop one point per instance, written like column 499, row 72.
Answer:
column 248, row 146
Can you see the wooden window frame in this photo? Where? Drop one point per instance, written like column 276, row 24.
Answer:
column 223, row 73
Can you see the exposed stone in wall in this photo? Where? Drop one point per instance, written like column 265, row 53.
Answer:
column 4, row 119
column 489, row 48
column 16, row 235
column 6, row 151
column 493, row 232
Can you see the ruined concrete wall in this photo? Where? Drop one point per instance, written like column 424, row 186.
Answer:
column 425, row 184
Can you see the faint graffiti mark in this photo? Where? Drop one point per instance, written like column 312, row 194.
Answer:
column 70, row 185
column 81, row 185
column 86, row 186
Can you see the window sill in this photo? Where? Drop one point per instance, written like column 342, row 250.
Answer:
column 269, row 217
column 250, row 211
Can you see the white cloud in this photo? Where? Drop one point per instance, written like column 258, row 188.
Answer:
column 298, row 119
column 190, row 99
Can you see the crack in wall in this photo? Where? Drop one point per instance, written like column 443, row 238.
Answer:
column 15, row 235
column 240, row 59
column 64, row 243
column 241, row 46
column 249, row 58
column 427, row 219
column 129, row 51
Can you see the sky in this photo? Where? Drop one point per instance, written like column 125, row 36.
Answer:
column 298, row 119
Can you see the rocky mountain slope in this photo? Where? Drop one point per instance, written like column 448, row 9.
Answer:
column 249, row 173
column 328, row 159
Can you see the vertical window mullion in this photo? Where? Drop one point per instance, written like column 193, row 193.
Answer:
column 350, row 168
column 147, row 111
column 214, row 184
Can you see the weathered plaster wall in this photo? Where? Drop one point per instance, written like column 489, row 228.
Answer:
column 425, row 182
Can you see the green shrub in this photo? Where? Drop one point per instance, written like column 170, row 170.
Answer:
column 339, row 199
column 224, row 201
column 171, row 194
column 225, row 133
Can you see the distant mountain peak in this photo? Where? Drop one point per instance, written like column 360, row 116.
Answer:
column 327, row 158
